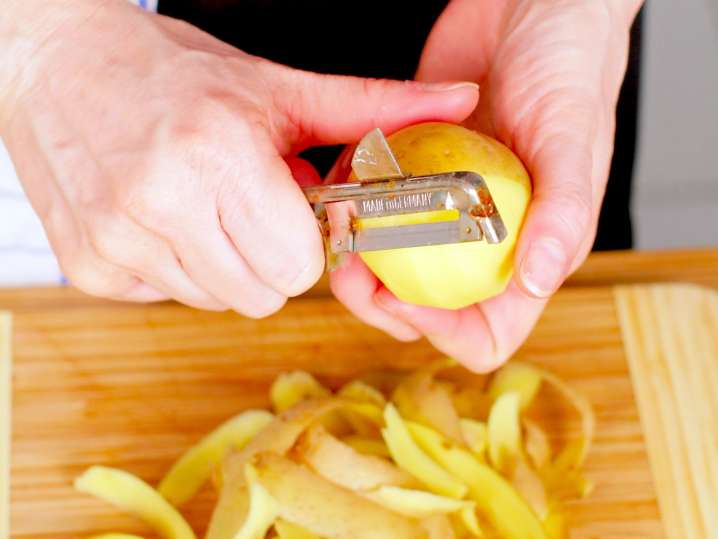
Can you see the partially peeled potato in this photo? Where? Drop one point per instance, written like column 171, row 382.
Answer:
column 455, row 275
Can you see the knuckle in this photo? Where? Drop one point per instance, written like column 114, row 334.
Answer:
column 150, row 204
column 578, row 208
column 570, row 209
column 101, row 236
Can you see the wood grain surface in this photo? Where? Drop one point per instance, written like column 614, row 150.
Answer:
column 133, row 386
column 5, row 366
column 698, row 266
column 671, row 339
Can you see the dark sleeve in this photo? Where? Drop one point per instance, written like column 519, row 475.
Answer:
column 614, row 225
column 325, row 36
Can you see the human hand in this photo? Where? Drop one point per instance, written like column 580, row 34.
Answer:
column 550, row 74
column 160, row 159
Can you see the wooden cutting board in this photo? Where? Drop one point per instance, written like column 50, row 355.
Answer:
column 133, row 386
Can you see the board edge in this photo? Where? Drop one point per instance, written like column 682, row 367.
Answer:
column 5, row 420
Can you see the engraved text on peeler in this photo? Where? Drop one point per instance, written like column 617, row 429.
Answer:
column 397, row 203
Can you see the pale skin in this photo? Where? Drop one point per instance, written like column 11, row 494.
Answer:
column 162, row 164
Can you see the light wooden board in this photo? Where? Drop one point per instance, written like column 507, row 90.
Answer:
column 673, row 356
column 133, row 386
column 5, row 367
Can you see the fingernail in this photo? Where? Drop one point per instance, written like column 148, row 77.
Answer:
column 447, row 86
column 542, row 268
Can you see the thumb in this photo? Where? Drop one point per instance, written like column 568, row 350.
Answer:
column 559, row 219
column 331, row 109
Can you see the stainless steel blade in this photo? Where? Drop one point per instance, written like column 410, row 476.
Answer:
column 461, row 230
column 374, row 160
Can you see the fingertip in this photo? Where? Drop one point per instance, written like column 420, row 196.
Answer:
column 484, row 364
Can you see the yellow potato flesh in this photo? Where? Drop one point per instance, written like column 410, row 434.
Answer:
column 366, row 417
column 287, row 530
column 470, row 521
column 133, row 495
column 367, row 445
column 555, row 523
column 408, row 456
column 190, row 472
column 231, row 510
column 457, row 275
column 519, row 377
column 495, row 498
column 362, row 392
column 438, row 527
column 263, row 509
column 291, row 387
column 417, row 503
column 504, row 430
column 295, row 479
column 475, row 435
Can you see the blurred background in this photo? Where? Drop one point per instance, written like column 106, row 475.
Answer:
column 675, row 198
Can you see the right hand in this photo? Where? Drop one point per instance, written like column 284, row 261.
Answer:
column 159, row 158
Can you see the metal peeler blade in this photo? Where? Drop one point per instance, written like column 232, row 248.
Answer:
column 383, row 190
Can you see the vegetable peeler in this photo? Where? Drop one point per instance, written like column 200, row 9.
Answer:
column 383, row 190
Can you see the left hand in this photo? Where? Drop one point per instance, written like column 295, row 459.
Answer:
column 550, row 73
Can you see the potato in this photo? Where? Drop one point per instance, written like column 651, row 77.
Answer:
column 446, row 276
